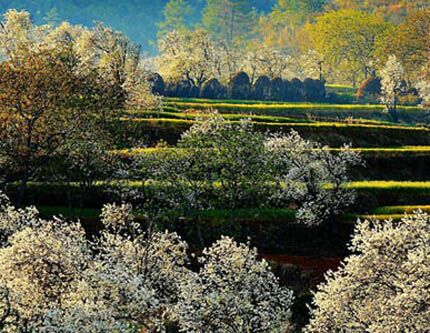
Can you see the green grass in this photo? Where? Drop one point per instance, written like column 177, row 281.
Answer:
column 252, row 214
column 316, row 111
column 204, row 103
column 382, row 151
column 319, row 124
column 389, row 210
column 197, row 115
column 377, row 184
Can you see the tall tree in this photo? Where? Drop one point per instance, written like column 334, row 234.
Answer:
column 177, row 16
column 347, row 41
column 410, row 42
column 229, row 20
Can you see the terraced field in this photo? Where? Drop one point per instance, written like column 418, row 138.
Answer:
column 394, row 180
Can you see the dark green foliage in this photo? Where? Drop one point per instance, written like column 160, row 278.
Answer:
column 181, row 89
column 277, row 89
column 321, row 112
column 314, row 90
column 240, row 86
column 332, row 134
column 212, row 89
column 261, row 89
column 157, row 83
column 370, row 90
column 297, row 90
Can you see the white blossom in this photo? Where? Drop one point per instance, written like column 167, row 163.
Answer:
column 384, row 286
column 392, row 84
column 233, row 292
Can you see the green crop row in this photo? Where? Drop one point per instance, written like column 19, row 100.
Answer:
column 333, row 134
column 402, row 163
column 371, row 194
column 407, row 114
column 178, row 114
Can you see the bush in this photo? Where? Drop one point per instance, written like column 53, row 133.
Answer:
column 370, row 90
column 157, row 83
column 240, row 86
column 297, row 90
column 288, row 91
column 181, row 89
column 212, row 89
column 261, row 89
column 277, row 91
column 409, row 99
column 314, row 90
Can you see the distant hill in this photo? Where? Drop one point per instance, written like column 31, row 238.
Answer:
column 136, row 18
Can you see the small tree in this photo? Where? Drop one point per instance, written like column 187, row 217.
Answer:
column 261, row 88
column 212, row 89
column 311, row 176
column 384, row 286
column 240, row 86
column 297, row 92
column 234, row 292
column 392, row 85
column 314, row 90
column 370, row 90
column 277, row 91
column 424, row 91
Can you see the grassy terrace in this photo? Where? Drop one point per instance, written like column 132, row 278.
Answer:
column 316, row 111
column 259, row 215
column 389, row 151
column 330, row 133
column 371, row 194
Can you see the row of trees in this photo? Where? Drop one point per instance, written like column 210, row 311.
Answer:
column 52, row 279
column 343, row 45
column 195, row 56
column 240, row 87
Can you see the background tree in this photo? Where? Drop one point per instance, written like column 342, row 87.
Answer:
column 410, row 44
column 280, row 26
column 392, row 85
column 178, row 15
column 346, row 40
column 187, row 56
column 229, row 20
column 384, row 285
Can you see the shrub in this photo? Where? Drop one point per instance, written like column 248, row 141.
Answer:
column 288, row 91
column 157, row 83
column 314, row 90
column 181, row 89
column 261, row 88
column 297, row 93
column 212, row 89
column 370, row 90
column 240, row 86
column 277, row 91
